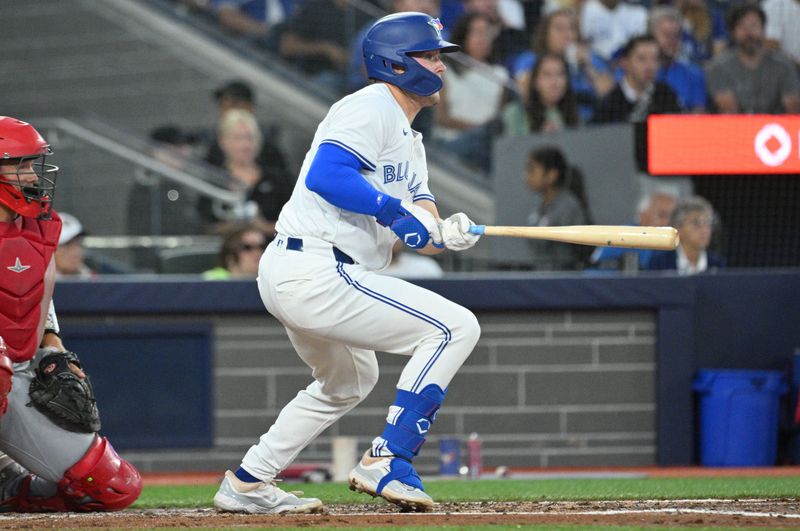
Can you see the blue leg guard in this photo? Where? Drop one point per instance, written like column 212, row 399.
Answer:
column 402, row 471
column 410, row 418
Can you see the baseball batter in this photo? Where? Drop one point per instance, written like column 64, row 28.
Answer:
column 363, row 185
column 54, row 459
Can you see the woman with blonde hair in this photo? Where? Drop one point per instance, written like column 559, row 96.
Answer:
column 241, row 141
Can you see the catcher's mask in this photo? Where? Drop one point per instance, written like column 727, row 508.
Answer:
column 27, row 182
column 390, row 40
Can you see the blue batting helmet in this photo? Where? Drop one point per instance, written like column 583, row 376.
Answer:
column 388, row 43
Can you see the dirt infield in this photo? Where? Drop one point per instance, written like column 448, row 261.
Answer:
column 654, row 513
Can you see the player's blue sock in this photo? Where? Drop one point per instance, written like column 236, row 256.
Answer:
column 410, row 418
column 245, row 476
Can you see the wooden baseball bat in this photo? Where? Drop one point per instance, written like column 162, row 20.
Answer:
column 659, row 238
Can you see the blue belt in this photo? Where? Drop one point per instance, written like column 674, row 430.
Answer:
column 296, row 244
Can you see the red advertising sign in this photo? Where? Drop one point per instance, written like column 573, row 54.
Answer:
column 723, row 144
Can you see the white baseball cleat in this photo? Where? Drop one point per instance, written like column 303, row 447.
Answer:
column 392, row 478
column 236, row 496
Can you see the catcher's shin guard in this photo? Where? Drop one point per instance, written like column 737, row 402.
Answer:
column 101, row 480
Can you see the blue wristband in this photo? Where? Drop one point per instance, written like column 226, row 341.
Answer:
column 388, row 211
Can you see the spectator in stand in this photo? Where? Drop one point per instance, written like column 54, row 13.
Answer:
column 258, row 20
column 549, row 175
column 608, row 24
column 704, row 34
column 589, row 75
column 694, row 219
column 638, row 94
column 507, row 16
column 783, row 27
column 240, row 141
column 687, row 80
column 472, row 95
column 317, row 37
column 238, row 94
column 239, row 254
column 654, row 210
column 70, row 257
column 551, row 103
column 750, row 78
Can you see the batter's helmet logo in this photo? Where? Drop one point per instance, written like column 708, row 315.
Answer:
column 437, row 25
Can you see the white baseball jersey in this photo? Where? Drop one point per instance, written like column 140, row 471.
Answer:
column 371, row 125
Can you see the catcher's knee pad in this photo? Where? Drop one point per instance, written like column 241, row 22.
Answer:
column 100, row 481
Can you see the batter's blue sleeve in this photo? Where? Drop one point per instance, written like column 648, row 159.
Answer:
column 334, row 176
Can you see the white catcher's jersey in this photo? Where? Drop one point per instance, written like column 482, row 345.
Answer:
column 371, row 125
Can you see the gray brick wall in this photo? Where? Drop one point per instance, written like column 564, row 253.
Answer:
column 543, row 389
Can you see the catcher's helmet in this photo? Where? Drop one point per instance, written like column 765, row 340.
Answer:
column 392, row 38
column 22, row 151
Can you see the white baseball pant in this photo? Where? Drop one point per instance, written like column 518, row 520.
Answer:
column 337, row 315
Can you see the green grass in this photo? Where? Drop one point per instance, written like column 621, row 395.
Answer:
column 516, row 490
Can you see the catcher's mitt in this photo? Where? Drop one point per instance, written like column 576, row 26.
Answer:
column 60, row 393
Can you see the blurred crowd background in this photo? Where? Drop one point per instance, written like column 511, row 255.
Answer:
column 181, row 125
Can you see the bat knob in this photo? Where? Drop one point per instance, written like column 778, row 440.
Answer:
column 477, row 229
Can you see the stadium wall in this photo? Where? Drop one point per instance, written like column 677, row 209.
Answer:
column 569, row 371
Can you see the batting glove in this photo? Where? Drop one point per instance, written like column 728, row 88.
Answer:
column 414, row 225
column 455, row 232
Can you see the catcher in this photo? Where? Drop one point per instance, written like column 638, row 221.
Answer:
column 54, row 459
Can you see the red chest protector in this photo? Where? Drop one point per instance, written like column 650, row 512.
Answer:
column 26, row 247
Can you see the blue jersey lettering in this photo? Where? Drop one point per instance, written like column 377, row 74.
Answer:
column 390, row 174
